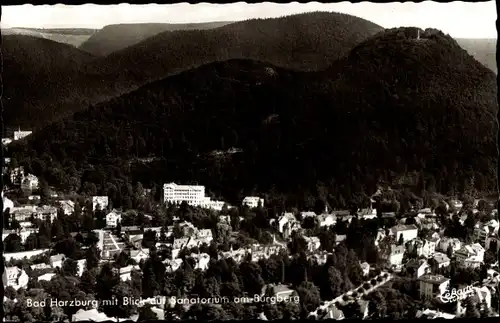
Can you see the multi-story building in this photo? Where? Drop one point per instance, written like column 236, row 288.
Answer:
column 16, row 277
column 408, row 232
column 433, row 285
column 441, row 260
column 193, row 195
column 445, row 242
column 209, row 204
column 253, row 201
column 470, row 255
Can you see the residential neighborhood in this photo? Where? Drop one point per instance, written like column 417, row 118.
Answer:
column 338, row 263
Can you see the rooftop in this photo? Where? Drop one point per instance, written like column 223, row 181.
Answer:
column 433, row 279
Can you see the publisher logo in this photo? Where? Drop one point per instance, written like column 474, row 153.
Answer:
column 456, row 294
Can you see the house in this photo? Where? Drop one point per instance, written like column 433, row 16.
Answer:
column 445, row 242
column 253, row 202
column 380, row 236
column 7, row 204
column 125, row 272
column 204, row 236
column 481, row 232
column 334, row 313
column 113, row 218
column 180, row 243
column 493, row 242
column 201, row 260
column 16, row 277
column 137, row 255
column 441, row 260
column 226, row 219
column 368, row 213
column 408, row 232
column 279, row 290
column 307, row 214
column 46, row 277
column 395, row 255
column 388, row 215
column 432, row 286
column 100, row 201
column 81, row 266
column 92, row 315
column 237, row 255
column 57, row 260
column 20, row 134
column 16, row 175
column 29, row 182
column 284, row 219
column 417, row 267
column 326, row 220
column 470, row 255
column 365, row 267
column 188, row 229
column 432, row 314
column 429, row 247
column 363, row 306
column 67, row 206
column 313, row 243
column 172, row 265
column 21, row 255
column 40, row 266
column 339, row 238
column 136, row 241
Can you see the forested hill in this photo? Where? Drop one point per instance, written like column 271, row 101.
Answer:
column 112, row 38
column 37, row 72
column 306, row 41
column 309, row 41
column 396, row 109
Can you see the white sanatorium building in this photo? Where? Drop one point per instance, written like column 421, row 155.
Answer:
column 193, row 195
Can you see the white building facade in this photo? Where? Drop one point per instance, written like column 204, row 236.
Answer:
column 253, row 201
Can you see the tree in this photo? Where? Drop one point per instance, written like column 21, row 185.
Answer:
column 87, row 282
column 12, row 243
column 471, row 310
column 92, row 257
column 449, row 251
column 31, row 242
column 149, row 239
column 309, row 297
column 69, row 267
column 146, row 313
column 121, row 292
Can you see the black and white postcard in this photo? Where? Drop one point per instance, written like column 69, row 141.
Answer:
column 250, row 161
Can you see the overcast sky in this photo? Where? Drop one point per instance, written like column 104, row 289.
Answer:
column 459, row 19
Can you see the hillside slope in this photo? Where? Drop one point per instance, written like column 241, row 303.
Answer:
column 113, row 38
column 484, row 50
column 70, row 36
column 308, row 42
column 395, row 105
column 37, row 73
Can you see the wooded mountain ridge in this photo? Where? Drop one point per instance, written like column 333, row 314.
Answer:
column 395, row 105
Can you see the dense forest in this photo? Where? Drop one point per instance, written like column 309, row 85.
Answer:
column 398, row 109
column 69, row 82
column 112, row 38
